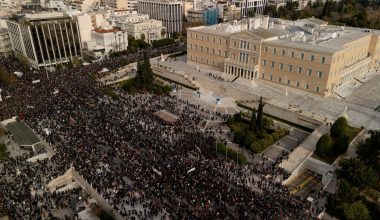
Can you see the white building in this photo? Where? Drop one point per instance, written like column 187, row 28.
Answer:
column 150, row 29
column 257, row 6
column 108, row 40
column 137, row 25
column 169, row 12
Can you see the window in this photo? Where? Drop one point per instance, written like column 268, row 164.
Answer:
column 320, row 74
column 281, row 66
column 207, row 49
column 272, row 64
column 283, row 53
column 201, row 48
column 323, row 59
column 292, row 54
column 309, row 72
column 317, row 89
column 298, row 84
column 289, row 81
column 290, row 68
column 225, row 54
column 311, row 57
column 263, row 75
column 271, row 77
column 302, row 55
column 264, row 62
column 266, row 49
column 279, row 79
column 300, row 70
column 307, row 86
column 254, row 47
column 274, row 50
column 235, row 44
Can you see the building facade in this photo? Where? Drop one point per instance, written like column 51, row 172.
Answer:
column 149, row 29
column 85, row 5
column 5, row 43
column 307, row 54
column 109, row 40
column 45, row 39
column 169, row 12
column 119, row 4
column 250, row 6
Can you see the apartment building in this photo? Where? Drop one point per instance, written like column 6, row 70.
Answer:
column 307, row 54
column 45, row 39
column 167, row 11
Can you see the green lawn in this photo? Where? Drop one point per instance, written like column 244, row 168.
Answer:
column 3, row 152
column 352, row 132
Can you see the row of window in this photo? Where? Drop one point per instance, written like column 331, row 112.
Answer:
column 292, row 54
column 208, row 38
column 205, row 61
column 281, row 66
column 297, row 83
column 209, row 50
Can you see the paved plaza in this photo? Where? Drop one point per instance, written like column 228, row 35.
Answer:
column 361, row 103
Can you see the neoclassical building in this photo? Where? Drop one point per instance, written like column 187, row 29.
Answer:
column 307, row 54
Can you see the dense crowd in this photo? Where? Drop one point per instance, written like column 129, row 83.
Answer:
column 131, row 157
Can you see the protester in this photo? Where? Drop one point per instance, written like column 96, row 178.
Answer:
column 131, row 157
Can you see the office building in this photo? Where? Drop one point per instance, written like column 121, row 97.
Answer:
column 45, row 39
column 307, row 54
column 169, row 12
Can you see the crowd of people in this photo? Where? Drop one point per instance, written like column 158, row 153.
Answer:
column 128, row 155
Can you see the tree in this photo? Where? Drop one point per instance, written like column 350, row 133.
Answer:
column 163, row 32
column 252, row 124
column 356, row 211
column 369, row 150
column 346, row 192
column 144, row 76
column 260, row 117
column 323, row 147
column 339, row 127
column 341, row 144
column 357, row 173
column 142, row 37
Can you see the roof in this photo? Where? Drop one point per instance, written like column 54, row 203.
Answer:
column 268, row 33
column 315, row 21
column 303, row 46
column 166, row 116
column 22, row 134
column 342, row 40
column 103, row 31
